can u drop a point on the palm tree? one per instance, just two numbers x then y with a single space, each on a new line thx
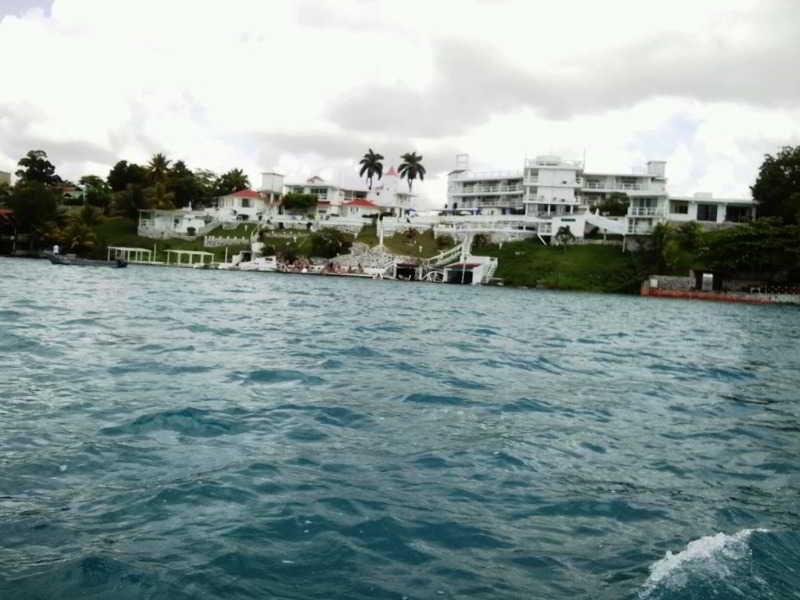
371 165
158 166
411 168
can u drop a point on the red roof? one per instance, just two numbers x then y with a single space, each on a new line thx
391 171
246 194
360 202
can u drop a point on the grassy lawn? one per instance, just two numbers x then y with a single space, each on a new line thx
412 243
118 231
241 230
584 268
299 243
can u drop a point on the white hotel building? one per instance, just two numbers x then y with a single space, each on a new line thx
548 187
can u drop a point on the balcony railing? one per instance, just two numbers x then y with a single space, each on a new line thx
489 189
478 175
630 187
639 211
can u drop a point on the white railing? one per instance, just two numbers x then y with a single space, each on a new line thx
638 211
489 189
478 175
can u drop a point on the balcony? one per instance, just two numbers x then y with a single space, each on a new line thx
616 187
641 211
489 189
479 176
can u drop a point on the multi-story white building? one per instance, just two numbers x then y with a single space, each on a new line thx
549 187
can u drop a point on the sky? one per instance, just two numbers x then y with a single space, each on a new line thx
305 87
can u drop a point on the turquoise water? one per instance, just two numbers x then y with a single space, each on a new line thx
189 434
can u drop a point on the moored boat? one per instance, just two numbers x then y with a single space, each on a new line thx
72 260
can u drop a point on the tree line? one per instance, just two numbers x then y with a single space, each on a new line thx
39 194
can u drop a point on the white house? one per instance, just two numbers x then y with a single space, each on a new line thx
246 205
359 208
166 223
330 197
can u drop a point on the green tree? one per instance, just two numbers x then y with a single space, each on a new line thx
158 167
128 202
777 187
183 185
159 196
564 236
206 182
615 205
764 247
96 192
234 180
78 236
329 242
411 168
35 207
123 175
34 167
371 166
299 202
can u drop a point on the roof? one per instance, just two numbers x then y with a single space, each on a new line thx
391 172
246 194
359 202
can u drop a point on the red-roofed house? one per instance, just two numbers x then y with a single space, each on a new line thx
359 208
247 205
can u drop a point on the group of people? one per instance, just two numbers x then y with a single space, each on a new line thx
335 269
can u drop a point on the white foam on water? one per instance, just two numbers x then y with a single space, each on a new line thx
712 556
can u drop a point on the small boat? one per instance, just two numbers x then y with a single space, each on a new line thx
260 263
71 259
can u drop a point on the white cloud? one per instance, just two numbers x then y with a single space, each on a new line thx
306 86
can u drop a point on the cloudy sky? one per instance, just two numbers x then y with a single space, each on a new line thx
306 86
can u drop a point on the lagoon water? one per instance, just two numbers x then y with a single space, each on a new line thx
187 434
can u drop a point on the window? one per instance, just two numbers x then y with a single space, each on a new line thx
678 207
245 203
706 212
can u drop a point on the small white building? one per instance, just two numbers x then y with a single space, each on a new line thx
389 194
168 223
5 178
359 208
247 205
703 207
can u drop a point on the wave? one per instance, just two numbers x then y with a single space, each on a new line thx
705 561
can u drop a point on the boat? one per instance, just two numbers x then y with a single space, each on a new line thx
260 263
72 260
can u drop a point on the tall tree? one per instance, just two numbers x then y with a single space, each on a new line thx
206 186
233 181
35 207
371 166
777 187
34 166
183 185
124 174
158 167
96 191
411 168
